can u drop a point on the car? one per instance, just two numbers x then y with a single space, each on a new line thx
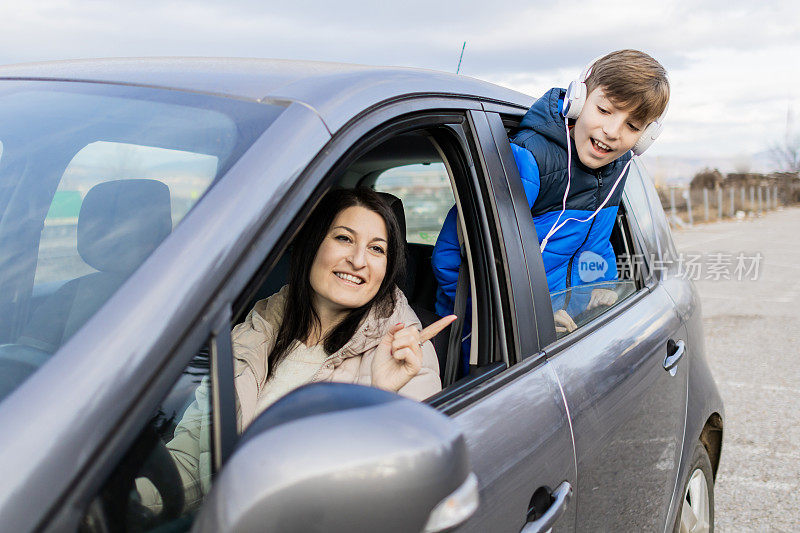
145 204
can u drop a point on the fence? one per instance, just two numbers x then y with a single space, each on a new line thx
688 206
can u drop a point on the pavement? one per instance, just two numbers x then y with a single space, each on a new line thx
752 330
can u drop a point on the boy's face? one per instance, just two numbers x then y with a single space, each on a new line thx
603 132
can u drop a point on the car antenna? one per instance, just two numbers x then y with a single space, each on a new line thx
461 56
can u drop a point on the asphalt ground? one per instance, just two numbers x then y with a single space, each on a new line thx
752 335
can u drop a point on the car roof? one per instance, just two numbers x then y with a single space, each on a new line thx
336 91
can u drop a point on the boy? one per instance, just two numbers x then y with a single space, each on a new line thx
572 152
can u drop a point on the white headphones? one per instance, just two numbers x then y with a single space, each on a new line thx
576 98
576 93
650 133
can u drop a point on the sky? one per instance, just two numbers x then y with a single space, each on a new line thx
733 65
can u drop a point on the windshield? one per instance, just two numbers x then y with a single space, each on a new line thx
92 178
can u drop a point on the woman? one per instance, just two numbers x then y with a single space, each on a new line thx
341 317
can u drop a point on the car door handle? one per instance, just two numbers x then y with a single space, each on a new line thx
675 351
561 497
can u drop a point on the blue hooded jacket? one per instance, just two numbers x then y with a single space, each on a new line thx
579 252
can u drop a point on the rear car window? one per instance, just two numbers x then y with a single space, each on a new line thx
426 194
92 178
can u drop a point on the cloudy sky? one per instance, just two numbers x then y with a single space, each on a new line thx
734 65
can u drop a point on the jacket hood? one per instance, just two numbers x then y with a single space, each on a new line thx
545 118
267 315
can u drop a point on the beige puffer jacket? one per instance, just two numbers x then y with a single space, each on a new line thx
253 340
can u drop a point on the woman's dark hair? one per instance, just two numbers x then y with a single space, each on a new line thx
299 316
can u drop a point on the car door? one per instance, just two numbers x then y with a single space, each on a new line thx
627 407
628 414
627 410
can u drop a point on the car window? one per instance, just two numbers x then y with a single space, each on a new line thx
161 481
586 302
426 194
599 283
597 291
600 279
92 178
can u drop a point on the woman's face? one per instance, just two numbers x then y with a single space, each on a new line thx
351 261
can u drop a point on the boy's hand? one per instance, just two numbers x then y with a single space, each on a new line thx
564 322
602 297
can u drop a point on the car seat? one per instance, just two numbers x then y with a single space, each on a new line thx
120 223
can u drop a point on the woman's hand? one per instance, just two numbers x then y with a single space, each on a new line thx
398 357
602 297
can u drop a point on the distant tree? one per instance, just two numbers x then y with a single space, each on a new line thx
707 179
742 179
785 154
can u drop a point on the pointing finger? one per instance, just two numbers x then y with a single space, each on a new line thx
432 330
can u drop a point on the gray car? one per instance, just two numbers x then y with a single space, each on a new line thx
146 204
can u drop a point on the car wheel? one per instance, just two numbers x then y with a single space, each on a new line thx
696 514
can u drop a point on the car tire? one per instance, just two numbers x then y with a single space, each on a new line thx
696 511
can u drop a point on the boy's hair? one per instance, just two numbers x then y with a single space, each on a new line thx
633 81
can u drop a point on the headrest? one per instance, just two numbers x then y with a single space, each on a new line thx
121 222
397 206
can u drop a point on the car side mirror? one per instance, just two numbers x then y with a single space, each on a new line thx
340 457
